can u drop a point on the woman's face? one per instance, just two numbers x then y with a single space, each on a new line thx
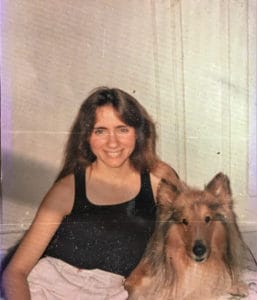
112 141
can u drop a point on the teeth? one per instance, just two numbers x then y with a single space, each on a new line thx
113 154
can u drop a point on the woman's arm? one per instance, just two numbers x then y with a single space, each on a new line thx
165 171
56 204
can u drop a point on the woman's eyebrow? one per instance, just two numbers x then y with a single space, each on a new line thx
100 127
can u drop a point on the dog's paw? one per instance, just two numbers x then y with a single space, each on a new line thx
128 285
240 289
137 277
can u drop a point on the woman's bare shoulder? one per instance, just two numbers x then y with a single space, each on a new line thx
61 195
165 171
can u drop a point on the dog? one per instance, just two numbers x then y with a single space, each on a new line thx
196 251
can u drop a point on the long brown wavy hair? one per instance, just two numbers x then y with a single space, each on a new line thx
78 151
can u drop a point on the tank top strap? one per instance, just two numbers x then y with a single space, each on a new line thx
80 196
146 186
145 199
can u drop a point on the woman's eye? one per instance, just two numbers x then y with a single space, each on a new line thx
100 131
122 130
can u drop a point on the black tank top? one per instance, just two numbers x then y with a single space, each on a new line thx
108 237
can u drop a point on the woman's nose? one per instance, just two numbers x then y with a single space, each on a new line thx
112 139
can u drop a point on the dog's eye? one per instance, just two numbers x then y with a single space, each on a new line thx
184 221
207 219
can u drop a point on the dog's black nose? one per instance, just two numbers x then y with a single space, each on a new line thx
199 248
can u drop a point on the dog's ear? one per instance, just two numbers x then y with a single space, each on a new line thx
166 192
219 186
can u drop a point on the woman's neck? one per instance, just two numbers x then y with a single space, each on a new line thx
100 170
105 185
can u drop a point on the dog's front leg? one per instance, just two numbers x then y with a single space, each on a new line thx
239 289
137 280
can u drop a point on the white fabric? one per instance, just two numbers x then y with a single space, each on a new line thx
53 279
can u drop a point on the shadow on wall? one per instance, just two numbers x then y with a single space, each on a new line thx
23 180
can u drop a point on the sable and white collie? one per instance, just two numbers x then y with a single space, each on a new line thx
196 251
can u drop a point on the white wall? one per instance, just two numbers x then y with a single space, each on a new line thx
191 63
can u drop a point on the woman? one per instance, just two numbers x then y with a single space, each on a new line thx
93 225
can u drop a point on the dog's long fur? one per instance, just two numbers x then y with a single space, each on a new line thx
196 251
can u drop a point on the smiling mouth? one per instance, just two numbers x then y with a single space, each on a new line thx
113 154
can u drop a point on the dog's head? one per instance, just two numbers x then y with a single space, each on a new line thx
195 222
